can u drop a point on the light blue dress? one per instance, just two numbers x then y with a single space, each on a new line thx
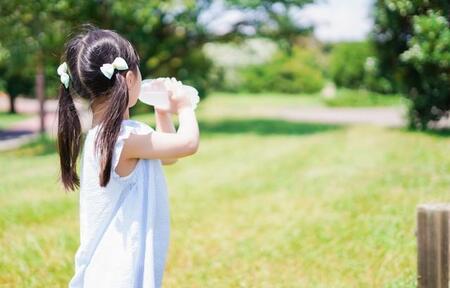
125 226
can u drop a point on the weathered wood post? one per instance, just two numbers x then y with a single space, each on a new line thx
433 245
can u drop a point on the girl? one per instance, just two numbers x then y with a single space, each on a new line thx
124 212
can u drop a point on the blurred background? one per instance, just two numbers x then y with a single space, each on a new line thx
323 124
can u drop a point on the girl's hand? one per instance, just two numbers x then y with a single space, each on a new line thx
180 101
178 96
172 109
176 102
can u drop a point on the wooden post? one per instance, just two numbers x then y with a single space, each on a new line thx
433 245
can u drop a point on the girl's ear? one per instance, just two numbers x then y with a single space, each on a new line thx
130 78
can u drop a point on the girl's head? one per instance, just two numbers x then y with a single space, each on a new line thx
84 54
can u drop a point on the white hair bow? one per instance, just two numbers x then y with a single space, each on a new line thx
62 72
108 68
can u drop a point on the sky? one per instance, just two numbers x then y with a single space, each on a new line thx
338 20
334 20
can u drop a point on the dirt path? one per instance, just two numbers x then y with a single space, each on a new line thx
23 131
385 116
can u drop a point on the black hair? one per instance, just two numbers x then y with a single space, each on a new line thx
84 54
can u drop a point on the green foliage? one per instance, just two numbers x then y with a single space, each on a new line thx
374 80
33 33
15 76
347 63
353 65
429 76
168 35
413 45
295 73
274 19
165 47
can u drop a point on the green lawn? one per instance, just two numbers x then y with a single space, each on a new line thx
264 203
364 98
7 119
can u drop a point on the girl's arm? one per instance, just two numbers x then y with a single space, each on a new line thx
164 124
162 145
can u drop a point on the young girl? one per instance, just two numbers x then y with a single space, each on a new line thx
124 212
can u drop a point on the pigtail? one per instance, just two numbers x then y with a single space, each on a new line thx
110 128
88 55
69 134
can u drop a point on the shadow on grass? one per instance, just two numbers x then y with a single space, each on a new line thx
263 126
438 132
44 145
7 135
442 132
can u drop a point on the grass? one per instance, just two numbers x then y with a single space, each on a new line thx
363 98
255 104
7 119
264 203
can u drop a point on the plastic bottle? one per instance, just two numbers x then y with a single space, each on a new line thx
155 92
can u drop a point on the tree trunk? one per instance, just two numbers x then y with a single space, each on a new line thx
39 90
12 103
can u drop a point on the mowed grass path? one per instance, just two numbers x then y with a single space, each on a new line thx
264 203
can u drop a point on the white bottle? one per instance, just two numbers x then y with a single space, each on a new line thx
155 92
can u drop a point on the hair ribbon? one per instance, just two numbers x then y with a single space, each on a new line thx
108 68
64 76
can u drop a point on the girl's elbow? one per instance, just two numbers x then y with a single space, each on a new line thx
189 147
192 146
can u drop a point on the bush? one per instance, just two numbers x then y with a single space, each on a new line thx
297 73
347 63
353 65
412 40
428 78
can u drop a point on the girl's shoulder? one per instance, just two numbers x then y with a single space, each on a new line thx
128 127
134 126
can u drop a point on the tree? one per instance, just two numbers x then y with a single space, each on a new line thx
31 31
428 79
413 45
14 79
347 61
168 35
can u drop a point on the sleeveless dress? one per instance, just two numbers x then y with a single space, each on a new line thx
125 226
